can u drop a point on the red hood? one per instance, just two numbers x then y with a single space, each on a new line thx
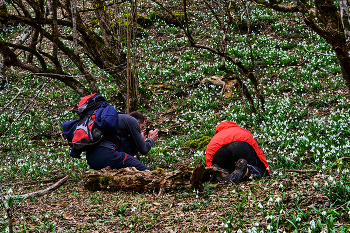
225 125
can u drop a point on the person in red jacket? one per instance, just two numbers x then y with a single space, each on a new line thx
234 149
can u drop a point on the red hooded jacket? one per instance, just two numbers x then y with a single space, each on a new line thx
227 132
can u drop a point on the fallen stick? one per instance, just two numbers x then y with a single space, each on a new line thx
301 171
161 86
45 191
343 159
37 181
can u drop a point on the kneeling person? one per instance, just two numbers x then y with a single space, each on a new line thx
133 140
234 149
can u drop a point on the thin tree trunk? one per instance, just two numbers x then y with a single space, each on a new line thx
344 61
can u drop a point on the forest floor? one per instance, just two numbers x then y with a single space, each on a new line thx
303 132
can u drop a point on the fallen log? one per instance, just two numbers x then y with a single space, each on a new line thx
130 179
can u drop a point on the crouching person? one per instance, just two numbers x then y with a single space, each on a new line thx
100 131
132 140
234 149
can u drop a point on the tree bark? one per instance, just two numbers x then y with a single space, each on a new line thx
130 179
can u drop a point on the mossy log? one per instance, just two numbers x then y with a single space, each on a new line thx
176 19
130 179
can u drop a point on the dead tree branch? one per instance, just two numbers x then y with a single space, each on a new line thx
45 191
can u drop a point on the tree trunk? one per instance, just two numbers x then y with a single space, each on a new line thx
344 61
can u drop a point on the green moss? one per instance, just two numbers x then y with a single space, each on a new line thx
159 172
161 150
144 21
123 24
169 19
94 23
198 144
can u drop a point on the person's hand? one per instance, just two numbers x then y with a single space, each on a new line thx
143 134
153 134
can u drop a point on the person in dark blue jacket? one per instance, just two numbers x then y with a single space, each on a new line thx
123 138
133 140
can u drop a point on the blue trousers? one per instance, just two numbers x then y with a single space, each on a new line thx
101 157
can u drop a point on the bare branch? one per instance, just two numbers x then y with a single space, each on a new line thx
74 21
301 171
324 54
45 191
277 7
3 109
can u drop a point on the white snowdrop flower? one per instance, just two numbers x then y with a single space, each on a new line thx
233 191
282 211
224 225
312 224
262 231
309 230
278 199
5 216
239 231
10 191
260 205
324 213
242 186
323 167
281 186
330 178
326 184
133 209
269 227
315 184
130 225
298 219
280 174
253 230
256 224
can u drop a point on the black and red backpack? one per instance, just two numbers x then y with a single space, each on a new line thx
87 132
98 121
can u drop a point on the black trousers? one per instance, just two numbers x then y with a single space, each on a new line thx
227 156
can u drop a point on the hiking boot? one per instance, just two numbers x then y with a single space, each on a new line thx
219 179
240 172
